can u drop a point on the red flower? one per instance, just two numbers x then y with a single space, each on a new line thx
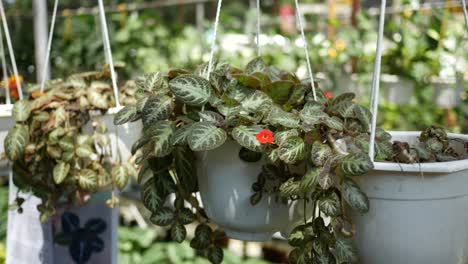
265 136
328 95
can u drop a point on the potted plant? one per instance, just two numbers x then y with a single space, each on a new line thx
264 155
420 195
63 153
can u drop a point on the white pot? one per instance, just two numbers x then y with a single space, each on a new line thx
414 218
225 184
396 89
448 92
6 122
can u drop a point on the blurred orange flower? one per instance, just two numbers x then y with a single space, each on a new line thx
13 86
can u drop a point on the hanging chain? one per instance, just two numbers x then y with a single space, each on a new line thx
213 43
306 49
375 90
49 46
108 51
10 50
5 71
259 14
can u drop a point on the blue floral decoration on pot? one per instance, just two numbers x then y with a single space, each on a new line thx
81 241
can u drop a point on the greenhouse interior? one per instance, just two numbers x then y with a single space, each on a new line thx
235 131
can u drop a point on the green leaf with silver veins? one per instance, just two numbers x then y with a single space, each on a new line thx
178 232
120 176
163 217
126 114
162 134
330 204
21 111
354 196
191 89
157 108
60 172
346 252
356 164
246 137
16 141
292 150
206 136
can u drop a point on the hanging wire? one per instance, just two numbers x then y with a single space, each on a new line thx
465 13
49 46
306 49
10 50
108 51
5 71
259 14
213 43
376 80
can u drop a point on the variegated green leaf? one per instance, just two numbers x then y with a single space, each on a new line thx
256 102
191 89
356 164
333 123
153 81
185 216
87 179
309 181
246 137
157 108
281 136
292 150
60 172
206 136
84 151
120 176
279 91
290 188
97 99
345 109
346 251
126 114
342 98
67 143
255 65
229 111
186 168
330 204
212 117
354 196
202 238
21 111
363 115
181 134
178 232
150 197
163 217
320 153
16 141
163 132
215 254
277 116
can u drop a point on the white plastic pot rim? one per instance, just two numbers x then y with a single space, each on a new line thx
5 110
434 167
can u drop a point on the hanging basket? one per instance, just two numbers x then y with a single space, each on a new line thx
397 89
447 92
418 212
225 183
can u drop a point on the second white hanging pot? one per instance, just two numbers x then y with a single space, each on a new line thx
225 183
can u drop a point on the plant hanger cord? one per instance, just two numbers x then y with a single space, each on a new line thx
465 13
259 14
108 52
5 71
213 43
306 49
110 62
374 104
10 50
49 45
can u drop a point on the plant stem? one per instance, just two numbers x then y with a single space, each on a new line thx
332 142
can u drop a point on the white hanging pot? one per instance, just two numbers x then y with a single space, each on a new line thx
6 122
397 89
225 183
418 213
448 92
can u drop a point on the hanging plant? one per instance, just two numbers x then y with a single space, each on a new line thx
53 156
313 149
